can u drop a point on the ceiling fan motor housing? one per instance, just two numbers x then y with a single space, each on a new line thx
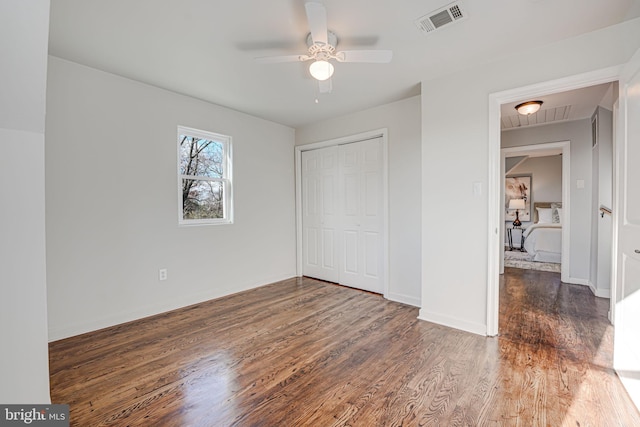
320 50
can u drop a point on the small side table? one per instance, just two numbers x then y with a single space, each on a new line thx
510 238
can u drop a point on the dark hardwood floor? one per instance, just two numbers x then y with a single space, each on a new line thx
306 353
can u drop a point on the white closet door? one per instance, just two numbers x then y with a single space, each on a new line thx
319 215
342 214
361 221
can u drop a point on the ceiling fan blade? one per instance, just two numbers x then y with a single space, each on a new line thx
359 41
317 18
283 45
325 86
279 59
380 56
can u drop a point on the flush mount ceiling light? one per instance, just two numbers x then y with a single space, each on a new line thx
529 107
321 70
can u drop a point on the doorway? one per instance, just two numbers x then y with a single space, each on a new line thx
496 172
563 148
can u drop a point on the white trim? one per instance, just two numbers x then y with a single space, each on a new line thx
226 180
616 208
578 281
452 322
140 312
379 133
600 293
404 299
495 236
578 81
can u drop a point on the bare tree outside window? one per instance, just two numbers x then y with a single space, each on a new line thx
204 176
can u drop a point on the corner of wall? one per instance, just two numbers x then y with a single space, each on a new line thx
453 322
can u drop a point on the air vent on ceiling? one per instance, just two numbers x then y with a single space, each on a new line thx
441 17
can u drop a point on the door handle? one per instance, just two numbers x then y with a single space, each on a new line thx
637 251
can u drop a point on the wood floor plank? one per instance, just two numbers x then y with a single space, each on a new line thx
302 352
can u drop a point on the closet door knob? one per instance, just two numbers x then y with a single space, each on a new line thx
637 251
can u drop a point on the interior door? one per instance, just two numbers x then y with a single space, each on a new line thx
319 215
627 307
360 193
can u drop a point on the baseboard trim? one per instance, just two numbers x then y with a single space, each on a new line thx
600 293
404 299
56 334
577 281
631 383
452 322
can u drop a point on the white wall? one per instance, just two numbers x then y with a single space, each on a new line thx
455 156
24 362
402 119
578 132
112 202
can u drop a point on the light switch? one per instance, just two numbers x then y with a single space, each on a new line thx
580 183
477 189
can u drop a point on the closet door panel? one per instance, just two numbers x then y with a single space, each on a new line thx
350 257
372 255
319 206
328 246
360 181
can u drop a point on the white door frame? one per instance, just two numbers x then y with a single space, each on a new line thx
565 146
378 133
495 180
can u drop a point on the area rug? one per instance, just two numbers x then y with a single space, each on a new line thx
523 260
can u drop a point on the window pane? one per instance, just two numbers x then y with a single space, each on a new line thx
201 157
202 199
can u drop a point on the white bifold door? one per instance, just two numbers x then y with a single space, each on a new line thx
342 214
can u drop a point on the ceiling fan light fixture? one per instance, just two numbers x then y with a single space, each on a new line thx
528 108
321 70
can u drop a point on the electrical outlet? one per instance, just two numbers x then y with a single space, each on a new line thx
162 274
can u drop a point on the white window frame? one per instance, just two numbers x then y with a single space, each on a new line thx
226 179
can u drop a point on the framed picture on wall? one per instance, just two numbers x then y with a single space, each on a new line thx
518 187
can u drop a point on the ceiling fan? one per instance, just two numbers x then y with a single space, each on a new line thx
322 49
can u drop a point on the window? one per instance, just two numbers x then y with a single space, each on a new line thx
204 177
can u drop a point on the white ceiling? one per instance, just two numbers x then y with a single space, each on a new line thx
206 48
